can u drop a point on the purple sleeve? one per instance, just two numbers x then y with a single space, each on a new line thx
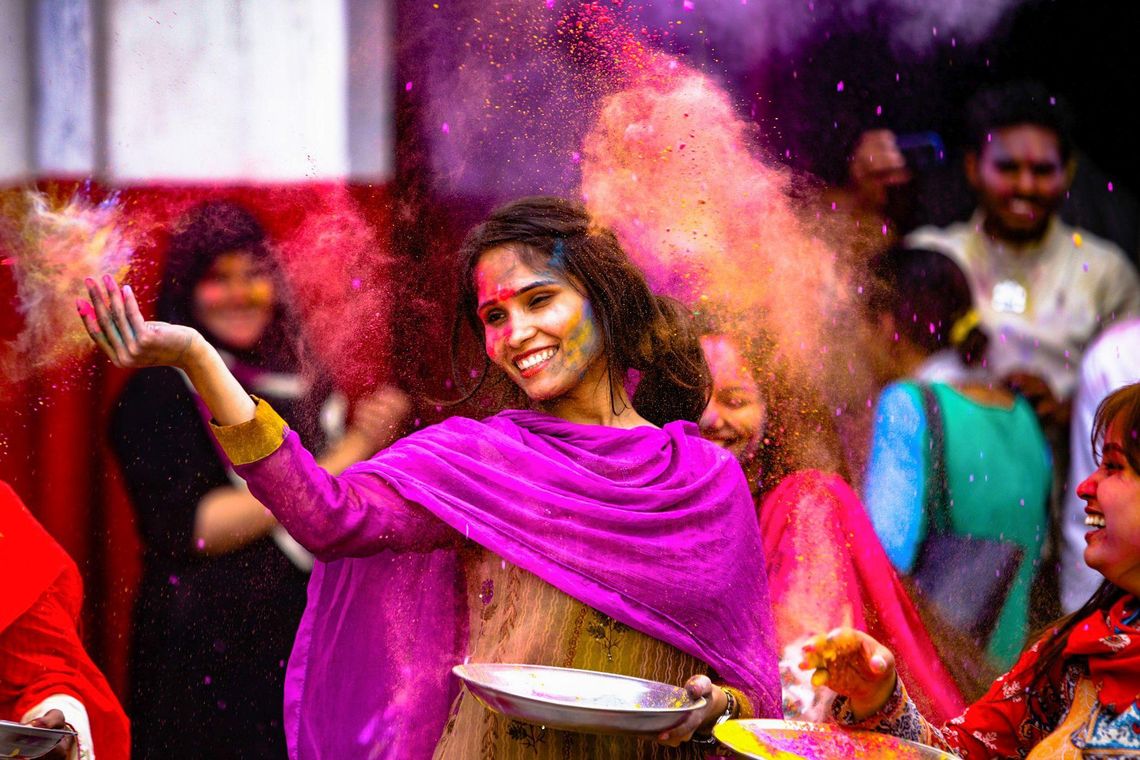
355 514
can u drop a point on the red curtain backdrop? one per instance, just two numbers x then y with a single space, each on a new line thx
53 443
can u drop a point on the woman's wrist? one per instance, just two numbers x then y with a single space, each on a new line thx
719 704
228 402
723 707
196 355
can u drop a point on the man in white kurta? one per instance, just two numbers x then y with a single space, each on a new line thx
1044 290
1041 301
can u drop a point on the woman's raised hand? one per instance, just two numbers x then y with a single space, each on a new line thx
853 664
115 323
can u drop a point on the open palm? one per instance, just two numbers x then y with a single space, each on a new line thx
113 320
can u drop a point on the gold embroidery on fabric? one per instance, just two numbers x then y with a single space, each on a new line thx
575 632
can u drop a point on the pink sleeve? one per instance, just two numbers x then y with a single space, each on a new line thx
354 514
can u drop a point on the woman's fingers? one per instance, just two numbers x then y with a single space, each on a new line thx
698 686
87 314
851 663
119 315
134 313
106 323
115 322
846 651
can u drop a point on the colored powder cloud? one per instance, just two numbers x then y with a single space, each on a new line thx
674 171
517 88
749 34
51 248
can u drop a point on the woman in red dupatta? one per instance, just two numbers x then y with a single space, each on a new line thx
825 565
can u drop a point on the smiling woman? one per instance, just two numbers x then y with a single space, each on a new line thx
538 327
540 263
589 531
1076 691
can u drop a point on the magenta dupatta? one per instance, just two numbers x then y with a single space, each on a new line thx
654 527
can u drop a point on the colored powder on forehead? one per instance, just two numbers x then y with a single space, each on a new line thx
51 247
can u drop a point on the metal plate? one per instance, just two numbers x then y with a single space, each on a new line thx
18 740
578 700
796 740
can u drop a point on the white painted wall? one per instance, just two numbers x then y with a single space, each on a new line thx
64 87
15 92
197 90
226 90
371 89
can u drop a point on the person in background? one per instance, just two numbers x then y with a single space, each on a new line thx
46 677
923 330
1112 362
1043 289
824 564
1075 691
223 585
870 208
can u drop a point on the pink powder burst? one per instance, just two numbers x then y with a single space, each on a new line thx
53 248
339 271
716 221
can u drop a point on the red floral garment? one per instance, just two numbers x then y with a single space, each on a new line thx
999 725
1004 723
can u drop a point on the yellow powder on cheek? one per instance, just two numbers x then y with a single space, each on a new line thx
261 292
580 340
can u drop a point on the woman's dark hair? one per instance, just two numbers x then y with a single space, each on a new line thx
799 432
203 234
650 334
1120 408
928 296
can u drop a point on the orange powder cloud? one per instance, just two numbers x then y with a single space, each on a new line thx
672 169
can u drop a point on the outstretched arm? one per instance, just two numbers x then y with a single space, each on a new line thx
353 515
862 672
115 323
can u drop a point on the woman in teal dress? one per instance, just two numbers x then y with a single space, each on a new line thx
994 455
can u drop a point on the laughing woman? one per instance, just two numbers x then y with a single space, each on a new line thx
593 531
1075 692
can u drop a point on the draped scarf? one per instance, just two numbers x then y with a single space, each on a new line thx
653 527
1112 647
